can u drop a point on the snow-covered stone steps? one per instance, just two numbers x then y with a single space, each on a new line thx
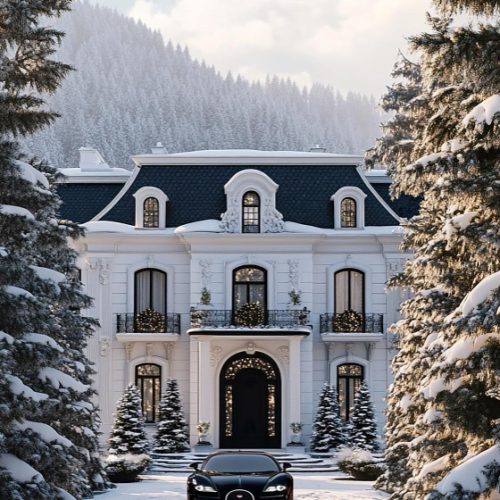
179 462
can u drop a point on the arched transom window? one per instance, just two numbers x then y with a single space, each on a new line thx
250 213
151 212
348 212
148 381
349 379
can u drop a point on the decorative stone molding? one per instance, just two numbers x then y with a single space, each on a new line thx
103 347
283 353
205 272
103 267
215 354
251 180
169 347
250 348
369 346
394 266
293 274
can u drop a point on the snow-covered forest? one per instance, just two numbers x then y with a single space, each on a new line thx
132 88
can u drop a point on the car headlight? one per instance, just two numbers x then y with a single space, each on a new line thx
204 488
274 488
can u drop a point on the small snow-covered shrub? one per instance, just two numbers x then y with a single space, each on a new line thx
125 468
359 464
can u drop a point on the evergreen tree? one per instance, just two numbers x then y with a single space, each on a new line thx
328 428
171 434
363 427
445 393
128 444
48 443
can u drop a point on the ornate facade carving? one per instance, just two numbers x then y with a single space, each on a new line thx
103 267
103 347
283 353
394 266
293 274
215 354
272 220
205 272
230 219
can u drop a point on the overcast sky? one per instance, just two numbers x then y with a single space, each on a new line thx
351 44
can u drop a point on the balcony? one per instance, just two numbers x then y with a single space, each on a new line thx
148 326
253 318
351 326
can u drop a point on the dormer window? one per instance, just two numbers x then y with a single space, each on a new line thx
151 213
150 208
348 213
349 208
251 212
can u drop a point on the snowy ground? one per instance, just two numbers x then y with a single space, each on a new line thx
325 486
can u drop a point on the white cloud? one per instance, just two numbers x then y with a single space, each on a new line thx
351 44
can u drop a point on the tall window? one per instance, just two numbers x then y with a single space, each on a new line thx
349 379
249 286
151 212
349 290
251 213
348 213
150 290
148 380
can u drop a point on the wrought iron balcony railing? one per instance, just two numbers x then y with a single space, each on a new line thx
221 318
351 322
148 322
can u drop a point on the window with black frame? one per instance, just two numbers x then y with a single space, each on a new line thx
150 291
249 295
151 213
348 213
250 213
148 381
349 379
349 291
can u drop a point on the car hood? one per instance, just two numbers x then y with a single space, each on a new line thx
254 483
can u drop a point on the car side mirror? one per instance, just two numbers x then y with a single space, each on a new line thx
195 465
286 465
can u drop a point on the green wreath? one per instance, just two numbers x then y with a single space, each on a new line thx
150 321
348 321
250 314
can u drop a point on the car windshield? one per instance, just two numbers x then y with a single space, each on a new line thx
240 464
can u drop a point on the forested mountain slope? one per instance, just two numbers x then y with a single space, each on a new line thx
131 89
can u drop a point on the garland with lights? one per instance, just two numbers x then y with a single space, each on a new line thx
250 314
348 321
150 321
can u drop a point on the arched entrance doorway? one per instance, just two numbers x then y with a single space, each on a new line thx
250 402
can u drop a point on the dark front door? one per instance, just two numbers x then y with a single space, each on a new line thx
250 403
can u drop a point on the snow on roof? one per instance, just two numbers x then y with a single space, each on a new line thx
259 153
110 172
213 226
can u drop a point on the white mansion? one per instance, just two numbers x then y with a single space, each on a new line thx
251 277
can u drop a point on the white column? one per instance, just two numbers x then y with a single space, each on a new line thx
294 384
206 389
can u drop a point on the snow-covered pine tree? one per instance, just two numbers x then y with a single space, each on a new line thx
43 381
171 432
329 429
446 383
363 426
128 444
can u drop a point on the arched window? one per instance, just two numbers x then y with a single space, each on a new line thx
151 212
349 291
150 291
348 212
250 287
349 379
148 381
250 213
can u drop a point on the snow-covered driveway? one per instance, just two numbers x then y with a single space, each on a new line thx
314 487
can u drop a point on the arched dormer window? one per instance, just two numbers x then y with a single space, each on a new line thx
348 212
151 212
349 208
150 208
250 212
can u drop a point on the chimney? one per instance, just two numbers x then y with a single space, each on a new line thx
91 160
317 149
159 149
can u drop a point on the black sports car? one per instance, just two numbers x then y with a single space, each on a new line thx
240 475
